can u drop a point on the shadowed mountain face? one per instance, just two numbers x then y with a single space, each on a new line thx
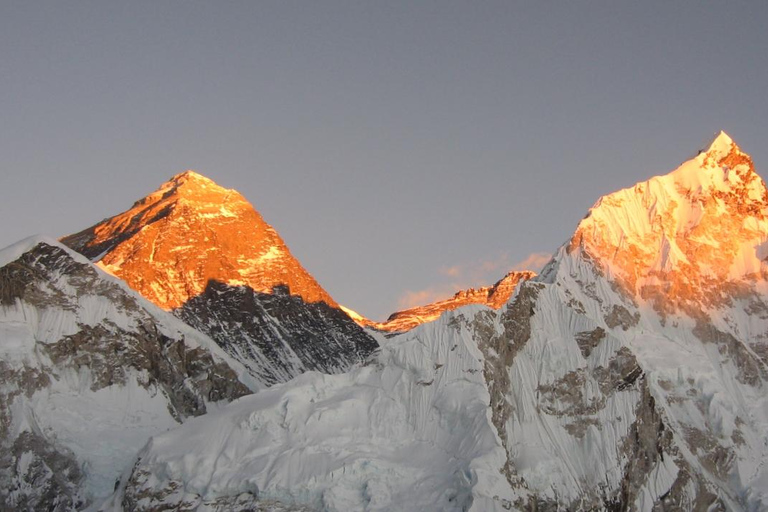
277 335
203 252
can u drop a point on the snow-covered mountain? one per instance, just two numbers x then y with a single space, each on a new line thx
494 296
632 374
88 372
203 252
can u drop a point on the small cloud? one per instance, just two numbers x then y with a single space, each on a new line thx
499 264
453 271
412 299
535 262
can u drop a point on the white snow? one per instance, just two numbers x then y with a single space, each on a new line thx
410 431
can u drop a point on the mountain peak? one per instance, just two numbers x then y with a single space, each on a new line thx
192 178
721 144
680 236
196 188
171 243
190 174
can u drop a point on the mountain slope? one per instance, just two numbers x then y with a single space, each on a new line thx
630 375
88 372
199 250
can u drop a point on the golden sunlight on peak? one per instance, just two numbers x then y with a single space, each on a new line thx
193 184
722 143
190 176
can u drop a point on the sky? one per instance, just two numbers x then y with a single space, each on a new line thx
403 150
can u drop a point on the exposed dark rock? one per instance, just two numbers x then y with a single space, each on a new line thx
645 446
277 335
750 369
500 352
36 475
620 316
621 373
716 458
589 340
565 396
578 428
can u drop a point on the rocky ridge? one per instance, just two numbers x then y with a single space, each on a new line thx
494 296
277 335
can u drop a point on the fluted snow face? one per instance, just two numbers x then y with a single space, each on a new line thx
673 270
408 431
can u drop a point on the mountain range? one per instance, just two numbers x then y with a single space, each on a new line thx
176 356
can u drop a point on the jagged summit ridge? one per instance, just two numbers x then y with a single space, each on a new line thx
192 186
494 296
171 243
679 239
192 176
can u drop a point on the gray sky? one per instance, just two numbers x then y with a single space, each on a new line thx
402 149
